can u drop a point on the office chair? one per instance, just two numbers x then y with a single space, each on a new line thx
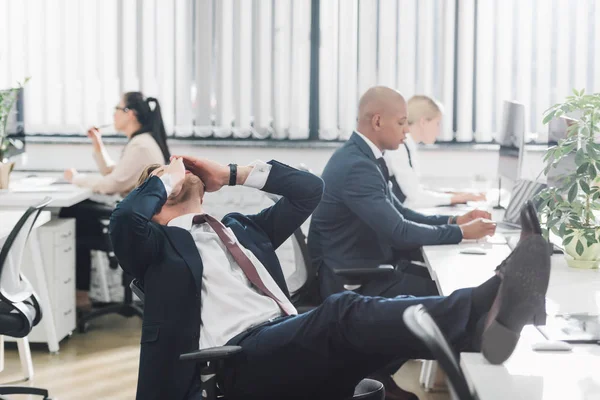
20 309
422 325
307 296
127 308
211 362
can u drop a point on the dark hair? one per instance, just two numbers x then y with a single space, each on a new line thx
150 119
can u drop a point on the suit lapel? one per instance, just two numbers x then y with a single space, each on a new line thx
363 146
183 242
366 150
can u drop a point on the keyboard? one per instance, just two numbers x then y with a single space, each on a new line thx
514 240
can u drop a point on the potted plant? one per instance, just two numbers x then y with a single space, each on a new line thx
568 208
8 97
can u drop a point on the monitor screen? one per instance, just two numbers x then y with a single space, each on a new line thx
15 127
512 140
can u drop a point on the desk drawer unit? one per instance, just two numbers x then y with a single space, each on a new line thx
57 240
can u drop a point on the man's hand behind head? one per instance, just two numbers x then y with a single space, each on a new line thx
214 175
176 170
478 228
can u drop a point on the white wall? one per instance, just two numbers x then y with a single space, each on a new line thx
440 165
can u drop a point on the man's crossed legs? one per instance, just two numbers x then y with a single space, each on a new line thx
323 354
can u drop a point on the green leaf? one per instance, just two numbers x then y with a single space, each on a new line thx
582 168
572 193
579 247
549 117
567 240
580 157
585 187
592 171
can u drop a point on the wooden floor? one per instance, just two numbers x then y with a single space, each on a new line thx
103 363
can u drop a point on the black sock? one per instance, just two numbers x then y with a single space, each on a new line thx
483 297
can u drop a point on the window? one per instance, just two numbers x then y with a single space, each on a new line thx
241 68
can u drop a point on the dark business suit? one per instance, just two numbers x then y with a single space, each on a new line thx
322 354
360 223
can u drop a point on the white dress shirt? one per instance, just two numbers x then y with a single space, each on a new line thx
417 196
376 152
230 303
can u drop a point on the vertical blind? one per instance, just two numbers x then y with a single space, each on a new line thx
404 44
221 68
241 68
469 54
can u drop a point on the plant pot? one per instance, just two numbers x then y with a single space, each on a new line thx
5 170
590 258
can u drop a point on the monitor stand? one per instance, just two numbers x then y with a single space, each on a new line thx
499 206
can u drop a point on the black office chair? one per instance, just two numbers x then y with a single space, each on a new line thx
128 308
422 325
20 309
307 296
211 362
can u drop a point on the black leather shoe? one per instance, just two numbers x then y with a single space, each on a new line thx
521 298
392 391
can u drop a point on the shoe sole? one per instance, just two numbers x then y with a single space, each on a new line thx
499 342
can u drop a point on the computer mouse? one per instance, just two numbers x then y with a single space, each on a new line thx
551 345
473 250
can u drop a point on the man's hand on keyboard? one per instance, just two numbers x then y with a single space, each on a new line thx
478 228
473 215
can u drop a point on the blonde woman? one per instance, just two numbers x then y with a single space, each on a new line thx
424 119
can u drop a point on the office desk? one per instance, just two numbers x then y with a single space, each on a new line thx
527 374
9 219
570 290
62 196
530 375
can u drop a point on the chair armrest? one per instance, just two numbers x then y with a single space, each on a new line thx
357 276
212 354
137 289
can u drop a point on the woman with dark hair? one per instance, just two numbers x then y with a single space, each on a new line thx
140 119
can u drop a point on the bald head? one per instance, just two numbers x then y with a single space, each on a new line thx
382 117
377 100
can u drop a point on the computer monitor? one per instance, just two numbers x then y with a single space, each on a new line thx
557 130
511 139
15 127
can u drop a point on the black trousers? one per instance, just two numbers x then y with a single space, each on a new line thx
323 354
89 236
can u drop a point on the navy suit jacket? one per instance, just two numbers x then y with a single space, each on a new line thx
359 222
167 261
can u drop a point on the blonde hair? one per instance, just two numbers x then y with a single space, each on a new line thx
420 106
146 173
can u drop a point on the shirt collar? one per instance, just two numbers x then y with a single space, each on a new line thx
183 221
376 152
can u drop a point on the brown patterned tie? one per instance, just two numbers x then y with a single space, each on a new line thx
241 258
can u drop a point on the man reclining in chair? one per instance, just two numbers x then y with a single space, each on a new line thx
210 283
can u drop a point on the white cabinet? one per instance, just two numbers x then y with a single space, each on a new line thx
57 242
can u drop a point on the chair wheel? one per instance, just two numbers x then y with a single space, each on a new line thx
83 327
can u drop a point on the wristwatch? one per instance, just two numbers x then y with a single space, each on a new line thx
232 174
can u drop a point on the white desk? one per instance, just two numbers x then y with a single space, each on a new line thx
63 196
26 190
570 290
8 219
527 374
